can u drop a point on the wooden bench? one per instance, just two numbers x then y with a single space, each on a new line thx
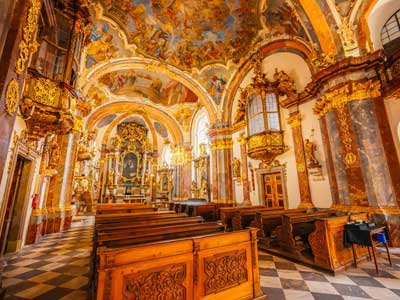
267 221
293 233
327 246
149 223
146 235
239 217
216 266
123 208
123 217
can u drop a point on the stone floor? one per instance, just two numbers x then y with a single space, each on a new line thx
57 268
282 279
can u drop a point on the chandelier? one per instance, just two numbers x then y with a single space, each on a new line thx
180 156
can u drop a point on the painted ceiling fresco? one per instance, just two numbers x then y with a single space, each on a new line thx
104 43
279 18
158 88
187 33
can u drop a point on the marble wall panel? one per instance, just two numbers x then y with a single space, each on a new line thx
372 156
338 159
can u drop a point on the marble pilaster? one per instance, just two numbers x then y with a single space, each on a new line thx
245 170
302 174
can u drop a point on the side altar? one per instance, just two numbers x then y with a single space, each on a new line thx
128 167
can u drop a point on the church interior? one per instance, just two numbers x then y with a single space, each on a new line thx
199 150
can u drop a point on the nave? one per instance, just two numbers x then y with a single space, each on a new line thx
57 268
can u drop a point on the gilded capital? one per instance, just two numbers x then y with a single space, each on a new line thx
242 139
294 120
222 144
351 91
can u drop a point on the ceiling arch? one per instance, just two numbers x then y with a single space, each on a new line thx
86 82
136 108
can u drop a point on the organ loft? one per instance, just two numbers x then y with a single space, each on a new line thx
199 150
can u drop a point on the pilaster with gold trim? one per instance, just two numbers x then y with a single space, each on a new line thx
294 121
221 149
245 171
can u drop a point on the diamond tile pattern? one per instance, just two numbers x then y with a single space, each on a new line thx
285 280
57 269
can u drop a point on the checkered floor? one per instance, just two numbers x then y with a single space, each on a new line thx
282 279
57 268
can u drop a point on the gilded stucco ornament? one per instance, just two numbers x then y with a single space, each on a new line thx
347 34
12 97
27 45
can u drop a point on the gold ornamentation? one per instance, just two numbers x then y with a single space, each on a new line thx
46 92
324 60
352 91
166 282
132 132
301 168
295 120
224 271
350 159
27 45
242 139
237 168
347 33
12 97
222 145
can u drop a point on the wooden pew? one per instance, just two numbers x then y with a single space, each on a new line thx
239 217
267 221
326 243
123 217
159 233
150 223
216 266
209 211
295 226
124 208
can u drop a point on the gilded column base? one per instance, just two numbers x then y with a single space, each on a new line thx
67 219
34 228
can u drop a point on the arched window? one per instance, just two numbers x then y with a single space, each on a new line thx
391 29
200 128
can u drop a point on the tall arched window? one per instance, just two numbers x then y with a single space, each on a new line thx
201 126
391 29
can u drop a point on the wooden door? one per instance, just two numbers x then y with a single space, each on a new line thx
273 190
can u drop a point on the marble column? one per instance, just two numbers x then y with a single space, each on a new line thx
360 144
221 147
302 174
154 180
59 197
245 170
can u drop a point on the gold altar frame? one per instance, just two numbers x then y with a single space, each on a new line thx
138 167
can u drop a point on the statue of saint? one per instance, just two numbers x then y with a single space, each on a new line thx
309 149
54 152
236 168
204 189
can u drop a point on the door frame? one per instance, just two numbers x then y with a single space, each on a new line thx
260 182
19 148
